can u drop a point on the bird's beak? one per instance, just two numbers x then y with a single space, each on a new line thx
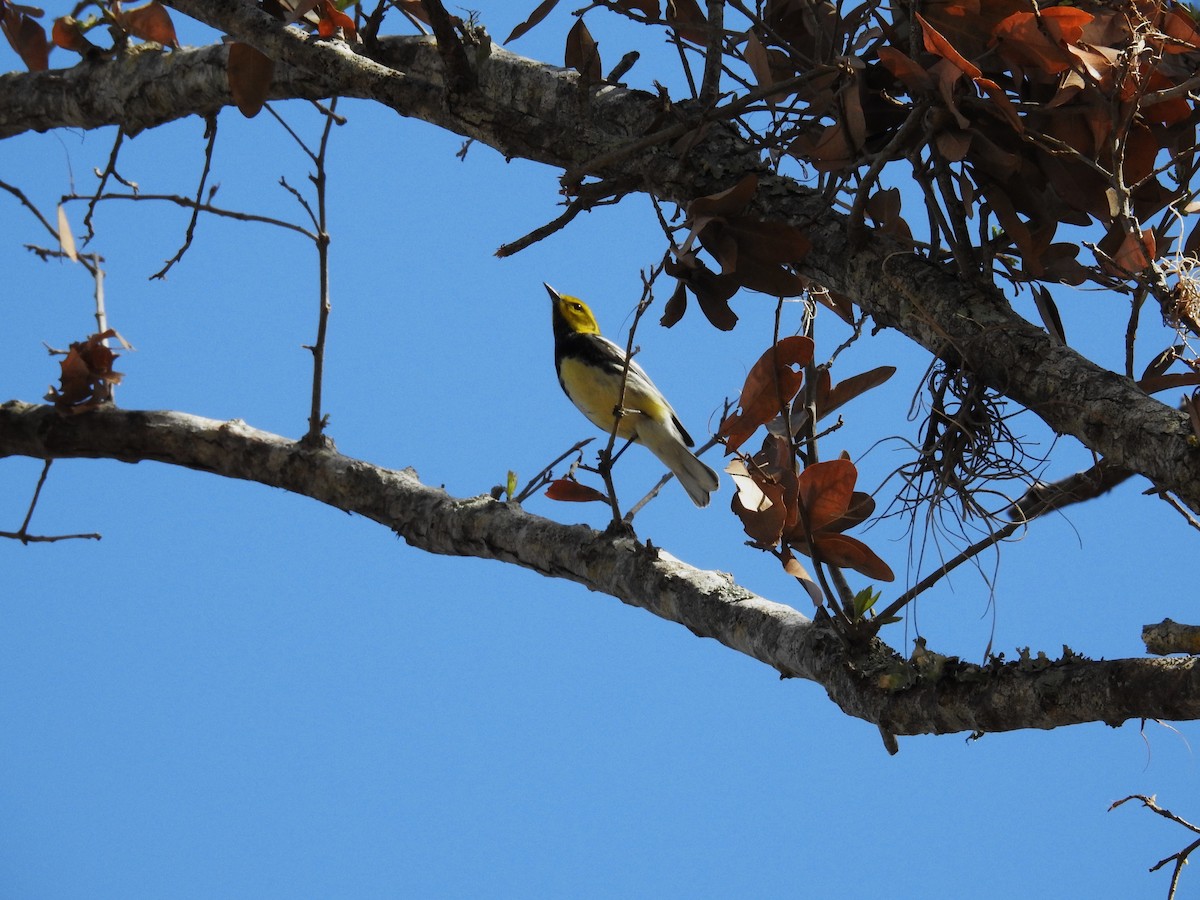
554 295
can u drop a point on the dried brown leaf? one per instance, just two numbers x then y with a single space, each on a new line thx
583 54
1048 310
151 22
569 490
851 387
728 202
771 383
688 20
540 12
249 72
27 37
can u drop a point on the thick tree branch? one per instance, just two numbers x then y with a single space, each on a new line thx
528 109
931 694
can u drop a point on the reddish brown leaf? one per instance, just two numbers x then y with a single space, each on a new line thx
1061 265
770 280
764 526
151 22
792 566
1163 361
728 202
542 10
938 45
1000 100
1017 230
1181 28
1191 246
676 306
884 207
27 37
569 490
1023 43
758 60
688 21
416 9
1065 23
772 243
1193 407
583 54
852 115
831 150
249 72
753 252
953 144
851 553
771 382
1156 383
910 73
648 8
712 291
1135 252
1048 310
825 492
838 303
331 20
851 387
87 375
66 33
860 508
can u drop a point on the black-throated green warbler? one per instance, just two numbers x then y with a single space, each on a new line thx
590 367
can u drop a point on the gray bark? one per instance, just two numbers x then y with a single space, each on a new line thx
933 695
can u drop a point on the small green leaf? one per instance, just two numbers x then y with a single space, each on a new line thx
510 488
864 600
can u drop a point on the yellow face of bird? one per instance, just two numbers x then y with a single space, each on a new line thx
573 313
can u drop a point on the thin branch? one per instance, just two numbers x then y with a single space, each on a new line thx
1180 858
23 534
188 203
110 171
543 477
935 576
710 83
590 196
210 132
317 421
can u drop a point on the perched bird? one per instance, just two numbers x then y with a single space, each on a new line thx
589 370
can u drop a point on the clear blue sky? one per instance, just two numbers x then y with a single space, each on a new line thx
240 693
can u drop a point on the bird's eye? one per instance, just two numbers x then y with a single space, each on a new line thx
578 307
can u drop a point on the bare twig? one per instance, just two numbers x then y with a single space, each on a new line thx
23 534
203 207
543 477
1180 858
210 132
110 171
601 193
316 420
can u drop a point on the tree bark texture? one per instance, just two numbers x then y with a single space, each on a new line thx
930 694
541 112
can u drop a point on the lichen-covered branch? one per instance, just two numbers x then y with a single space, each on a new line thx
928 694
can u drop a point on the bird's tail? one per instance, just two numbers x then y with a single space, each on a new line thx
664 442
